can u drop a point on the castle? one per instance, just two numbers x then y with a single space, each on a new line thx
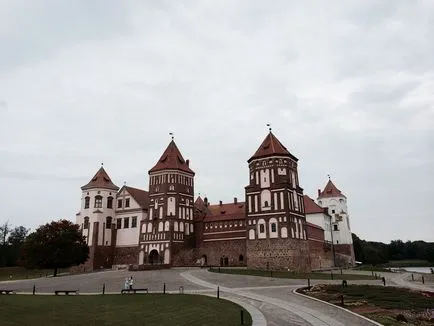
276 227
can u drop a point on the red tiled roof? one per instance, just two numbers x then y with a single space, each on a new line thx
140 196
314 225
100 180
330 190
226 212
310 207
172 159
271 146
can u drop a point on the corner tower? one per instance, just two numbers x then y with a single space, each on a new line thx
169 228
336 203
276 223
96 218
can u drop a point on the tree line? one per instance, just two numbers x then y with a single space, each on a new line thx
375 253
55 245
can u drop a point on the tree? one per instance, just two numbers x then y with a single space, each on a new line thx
4 231
18 235
58 244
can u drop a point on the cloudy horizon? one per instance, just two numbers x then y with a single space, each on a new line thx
347 88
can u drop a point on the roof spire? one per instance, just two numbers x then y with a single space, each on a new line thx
102 163
269 127
328 176
172 134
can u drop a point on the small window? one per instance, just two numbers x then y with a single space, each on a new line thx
119 223
86 202
108 222
266 203
98 202
335 227
109 202
134 222
86 223
119 203
126 222
261 228
273 227
127 202
333 211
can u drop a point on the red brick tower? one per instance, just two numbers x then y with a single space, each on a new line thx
276 223
169 228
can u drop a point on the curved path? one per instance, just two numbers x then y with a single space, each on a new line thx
274 297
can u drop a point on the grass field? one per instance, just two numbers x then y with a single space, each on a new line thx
146 309
380 303
284 274
19 273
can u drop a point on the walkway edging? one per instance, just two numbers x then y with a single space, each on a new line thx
336 306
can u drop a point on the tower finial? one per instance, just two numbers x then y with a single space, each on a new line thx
328 176
269 127
172 134
125 183
102 163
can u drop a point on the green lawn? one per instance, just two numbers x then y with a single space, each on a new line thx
146 309
19 273
381 303
284 274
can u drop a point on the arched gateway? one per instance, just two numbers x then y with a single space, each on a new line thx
154 257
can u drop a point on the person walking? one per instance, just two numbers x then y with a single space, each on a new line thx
131 283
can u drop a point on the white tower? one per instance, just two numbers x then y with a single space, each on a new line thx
97 211
336 203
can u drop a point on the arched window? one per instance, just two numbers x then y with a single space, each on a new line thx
98 201
166 226
149 227
160 227
86 223
252 234
265 199
86 202
109 202
261 229
273 227
175 226
108 222
181 227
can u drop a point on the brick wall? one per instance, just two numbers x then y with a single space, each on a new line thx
345 255
292 254
219 252
321 255
126 255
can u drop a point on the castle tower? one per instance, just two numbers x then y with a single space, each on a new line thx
169 228
276 223
336 203
96 217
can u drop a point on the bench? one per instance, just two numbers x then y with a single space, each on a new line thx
7 291
67 292
133 291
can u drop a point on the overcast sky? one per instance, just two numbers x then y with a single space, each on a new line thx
348 87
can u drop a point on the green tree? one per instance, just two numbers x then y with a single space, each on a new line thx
58 244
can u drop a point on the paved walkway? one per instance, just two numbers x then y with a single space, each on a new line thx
279 305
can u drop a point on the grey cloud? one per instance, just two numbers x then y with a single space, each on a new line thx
346 88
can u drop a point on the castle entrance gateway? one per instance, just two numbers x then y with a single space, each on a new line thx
154 257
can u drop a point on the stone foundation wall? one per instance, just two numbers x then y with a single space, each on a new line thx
345 255
288 254
321 255
223 253
126 255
